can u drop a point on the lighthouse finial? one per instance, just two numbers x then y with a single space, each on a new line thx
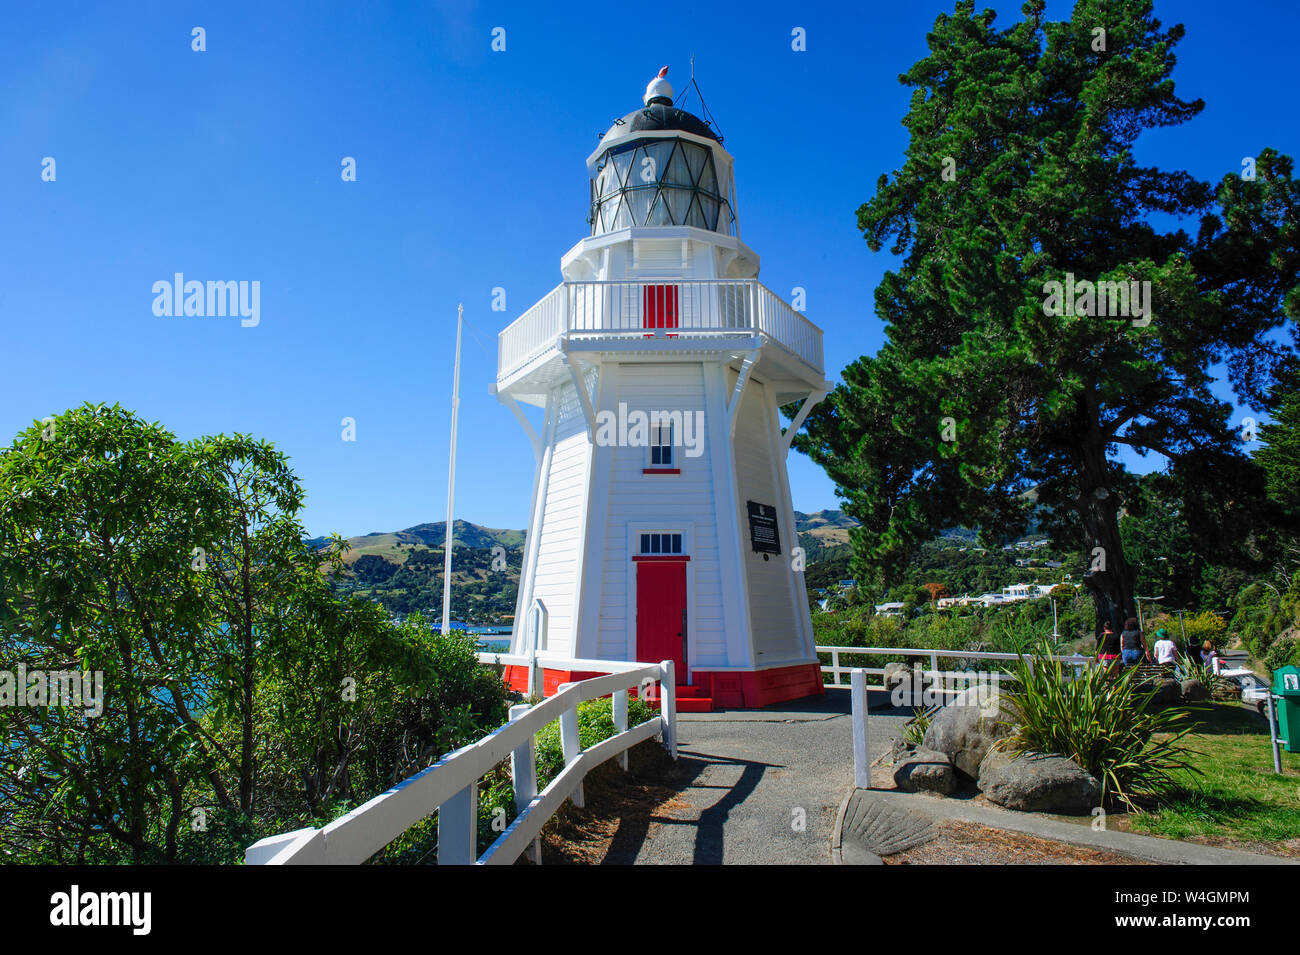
659 90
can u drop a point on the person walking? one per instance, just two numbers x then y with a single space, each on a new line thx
1108 648
1133 648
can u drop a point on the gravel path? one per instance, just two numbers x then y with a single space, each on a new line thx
760 786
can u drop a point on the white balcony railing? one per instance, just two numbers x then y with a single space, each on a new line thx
686 309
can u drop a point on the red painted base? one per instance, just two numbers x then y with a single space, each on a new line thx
756 688
743 690
517 679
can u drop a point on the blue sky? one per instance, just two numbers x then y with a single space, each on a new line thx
225 165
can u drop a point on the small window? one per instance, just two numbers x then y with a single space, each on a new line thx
661 446
661 544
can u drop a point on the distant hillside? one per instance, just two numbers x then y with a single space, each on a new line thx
823 519
402 571
824 535
395 546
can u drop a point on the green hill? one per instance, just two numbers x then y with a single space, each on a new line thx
403 570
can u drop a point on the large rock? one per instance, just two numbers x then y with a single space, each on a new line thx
1167 692
925 770
903 685
967 728
1193 691
900 748
896 673
1037 782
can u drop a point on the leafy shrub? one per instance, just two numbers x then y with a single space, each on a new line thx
1192 668
1262 615
595 723
914 729
1103 723
1206 625
1284 652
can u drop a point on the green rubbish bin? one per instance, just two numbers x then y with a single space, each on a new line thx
1286 689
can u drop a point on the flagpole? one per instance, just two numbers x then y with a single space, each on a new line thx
451 481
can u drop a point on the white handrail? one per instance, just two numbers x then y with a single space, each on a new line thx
698 308
934 673
451 784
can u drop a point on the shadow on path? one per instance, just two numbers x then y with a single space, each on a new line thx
709 825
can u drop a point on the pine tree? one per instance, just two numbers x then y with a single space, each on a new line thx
997 388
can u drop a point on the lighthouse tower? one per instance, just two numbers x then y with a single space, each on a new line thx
661 524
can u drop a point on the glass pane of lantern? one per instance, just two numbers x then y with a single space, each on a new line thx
652 162
622 162
607 181
695 216
679 201
695 156
710 207
621 218
608 211
709 181
659 213
677 172
639 202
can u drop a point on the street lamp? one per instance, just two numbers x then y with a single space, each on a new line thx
1139 603
1055 635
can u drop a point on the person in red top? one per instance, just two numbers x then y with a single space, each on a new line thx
1108 650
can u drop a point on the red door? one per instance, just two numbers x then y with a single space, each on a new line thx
661 613
659 306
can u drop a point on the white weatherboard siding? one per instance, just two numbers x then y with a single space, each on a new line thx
775 627
682 502
563 489
520 638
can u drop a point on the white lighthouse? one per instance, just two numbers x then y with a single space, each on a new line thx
661 524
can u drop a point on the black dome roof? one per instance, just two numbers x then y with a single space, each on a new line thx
658 116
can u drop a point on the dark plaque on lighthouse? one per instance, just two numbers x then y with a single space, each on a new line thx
763 535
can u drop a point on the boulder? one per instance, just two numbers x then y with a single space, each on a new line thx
901 748
1167 692
896 673
902 684
1038 782
925 770
967 728
1193 691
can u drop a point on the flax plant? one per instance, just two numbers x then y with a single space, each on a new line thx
1107 724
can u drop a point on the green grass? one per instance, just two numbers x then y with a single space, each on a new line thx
1237 796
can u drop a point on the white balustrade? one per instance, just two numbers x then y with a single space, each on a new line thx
934 675
715 308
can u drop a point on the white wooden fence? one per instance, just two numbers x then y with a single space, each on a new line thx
943 681
937 682
450 785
